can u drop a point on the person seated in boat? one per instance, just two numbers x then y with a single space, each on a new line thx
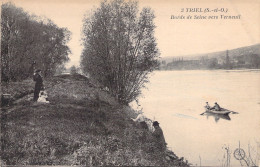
216 107
207 106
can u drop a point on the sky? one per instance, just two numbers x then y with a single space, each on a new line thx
175 37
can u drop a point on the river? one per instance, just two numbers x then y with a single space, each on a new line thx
177 98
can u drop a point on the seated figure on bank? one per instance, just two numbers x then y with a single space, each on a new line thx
144 122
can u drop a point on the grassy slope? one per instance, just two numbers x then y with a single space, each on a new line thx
83 125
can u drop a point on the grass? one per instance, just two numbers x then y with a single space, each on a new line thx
82 125
16 90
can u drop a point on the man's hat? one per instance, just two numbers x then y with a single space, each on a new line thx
155 123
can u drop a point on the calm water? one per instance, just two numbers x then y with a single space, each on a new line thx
176 100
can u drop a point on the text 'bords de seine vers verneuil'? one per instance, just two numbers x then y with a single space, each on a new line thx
194 13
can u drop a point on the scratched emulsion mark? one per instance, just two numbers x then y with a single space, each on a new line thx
184 116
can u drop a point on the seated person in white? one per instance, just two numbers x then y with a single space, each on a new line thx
43 97
144 122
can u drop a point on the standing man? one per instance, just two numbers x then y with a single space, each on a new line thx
38 84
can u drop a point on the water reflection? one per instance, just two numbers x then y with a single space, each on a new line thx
216 116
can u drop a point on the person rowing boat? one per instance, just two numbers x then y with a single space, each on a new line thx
207 106
216 107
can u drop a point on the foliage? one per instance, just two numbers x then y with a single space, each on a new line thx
119 47
76 128
73 70
240 58
213 63
60 69
29 42
255 60
18 89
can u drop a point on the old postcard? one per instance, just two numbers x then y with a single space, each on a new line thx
130 83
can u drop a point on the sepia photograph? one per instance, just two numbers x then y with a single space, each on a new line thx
167 83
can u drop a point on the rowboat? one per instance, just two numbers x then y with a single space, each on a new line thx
217 116
222 111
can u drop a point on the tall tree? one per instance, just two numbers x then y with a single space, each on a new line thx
120 49
228 64
29 41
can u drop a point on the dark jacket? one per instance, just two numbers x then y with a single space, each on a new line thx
159 137
38 81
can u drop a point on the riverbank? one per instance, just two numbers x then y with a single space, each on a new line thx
82 125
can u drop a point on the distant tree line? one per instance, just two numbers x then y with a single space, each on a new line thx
119 47
222 62
74 70
29 42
